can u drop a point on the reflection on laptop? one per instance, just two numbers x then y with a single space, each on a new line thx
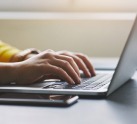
102 84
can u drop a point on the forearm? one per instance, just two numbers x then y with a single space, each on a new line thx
11 54
6 73
7 52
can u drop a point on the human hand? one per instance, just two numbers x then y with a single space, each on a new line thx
59 65
82 62
45 64
25 54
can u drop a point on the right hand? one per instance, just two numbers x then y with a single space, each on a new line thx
44 65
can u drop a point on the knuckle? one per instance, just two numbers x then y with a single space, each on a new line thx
76 58
65 52
59 70
70 59
85 57
66 64
50 50
49 55
79 60
82 55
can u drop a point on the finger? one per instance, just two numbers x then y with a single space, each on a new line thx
50 50
51 69
67 68
87 63
80 64
71 61
34 50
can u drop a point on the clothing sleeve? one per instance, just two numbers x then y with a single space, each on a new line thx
7 52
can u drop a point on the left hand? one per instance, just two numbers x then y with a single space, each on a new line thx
25 54
82 62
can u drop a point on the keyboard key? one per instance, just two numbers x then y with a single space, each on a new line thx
89 81
86 83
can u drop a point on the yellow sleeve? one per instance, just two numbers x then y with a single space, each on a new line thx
7 51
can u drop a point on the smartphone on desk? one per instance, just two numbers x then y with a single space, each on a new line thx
37 99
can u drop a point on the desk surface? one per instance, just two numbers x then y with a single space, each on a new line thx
104 63
119 108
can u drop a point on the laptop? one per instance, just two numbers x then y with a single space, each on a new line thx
100 85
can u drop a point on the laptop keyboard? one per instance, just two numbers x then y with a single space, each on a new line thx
93 83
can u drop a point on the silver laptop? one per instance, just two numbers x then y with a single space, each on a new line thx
100 85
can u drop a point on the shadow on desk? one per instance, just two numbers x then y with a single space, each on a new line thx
125 95
119 108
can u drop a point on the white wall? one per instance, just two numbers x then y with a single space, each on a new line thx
69 5
93 37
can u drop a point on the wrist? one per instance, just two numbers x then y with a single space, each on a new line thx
7 72
16 71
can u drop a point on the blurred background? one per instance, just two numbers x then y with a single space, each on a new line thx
98 28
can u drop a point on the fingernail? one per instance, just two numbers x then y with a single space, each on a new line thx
89 74
72 82
94 73
79 80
